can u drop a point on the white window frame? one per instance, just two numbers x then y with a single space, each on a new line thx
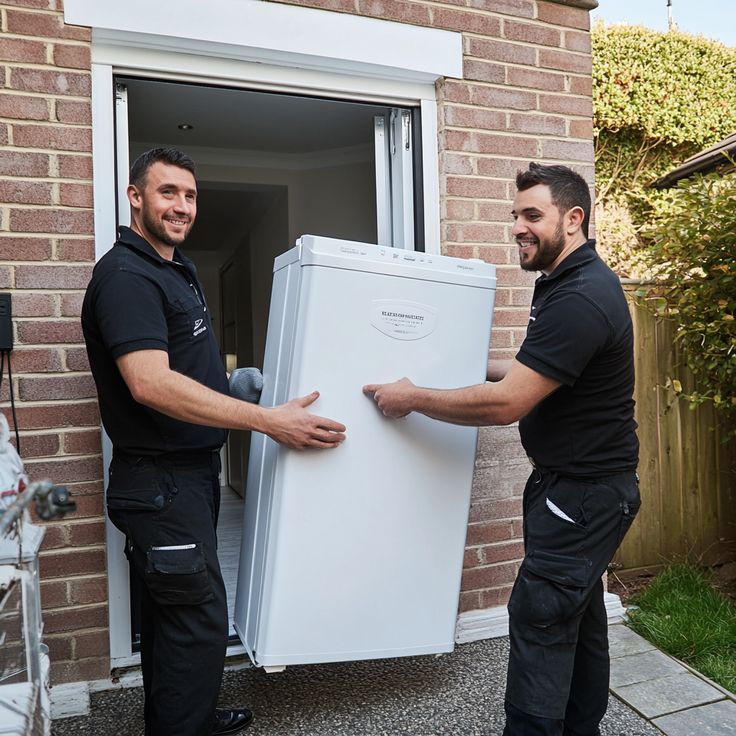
254 45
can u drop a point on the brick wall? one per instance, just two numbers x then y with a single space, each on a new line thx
46 256
525 95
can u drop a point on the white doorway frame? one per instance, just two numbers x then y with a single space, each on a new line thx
254 45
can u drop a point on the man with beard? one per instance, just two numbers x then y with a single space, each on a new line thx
163 395
570 387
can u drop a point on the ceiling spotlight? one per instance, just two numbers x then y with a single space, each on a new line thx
185 126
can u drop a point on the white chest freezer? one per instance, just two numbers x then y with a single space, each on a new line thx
357 552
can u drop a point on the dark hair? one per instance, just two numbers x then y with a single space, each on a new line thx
567 187
172 156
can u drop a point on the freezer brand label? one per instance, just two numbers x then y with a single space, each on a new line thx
403 320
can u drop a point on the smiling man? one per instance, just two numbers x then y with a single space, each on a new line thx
163 395
570 387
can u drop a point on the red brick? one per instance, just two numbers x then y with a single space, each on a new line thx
39 445
84 670
348 6
565 61
537 80
72 111
474 232
490 576
474 117
493 50
71 306
494 212
567 150
517 8
53 593
16 163
494 508
484 71
501 168
76 359
557 14
19 248
581 129
55 535
72 55
60 221
6 277
20 191
581 86
53 388
459 251
45 25
566 105
44 333
4 139
87 442
40 4
454 91
65 470
503 98
75 167
538 124
404 12
576 41
77 414
94 504
495 597
75 195
60 647
457 140
36 360
471 558
22 50
469 601
460 209
23 107
493 553
58 137
539 35
465 186
501 339
91 644
87 534
68 563
488 532
466 21
76 249
88 590
456 163
52 277
496 254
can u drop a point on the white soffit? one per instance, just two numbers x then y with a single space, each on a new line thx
285 35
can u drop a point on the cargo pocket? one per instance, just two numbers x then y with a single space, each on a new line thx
138 486
177 575
549 592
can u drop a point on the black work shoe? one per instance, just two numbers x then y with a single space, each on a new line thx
231 720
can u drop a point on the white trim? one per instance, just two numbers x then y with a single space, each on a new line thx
491 623
286 35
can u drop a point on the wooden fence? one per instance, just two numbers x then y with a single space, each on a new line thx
687 474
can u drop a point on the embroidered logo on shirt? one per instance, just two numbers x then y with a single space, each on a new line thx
198 327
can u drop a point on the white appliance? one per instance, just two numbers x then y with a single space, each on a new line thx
357 552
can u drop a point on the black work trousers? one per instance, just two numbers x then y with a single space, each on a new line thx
559 664
167 507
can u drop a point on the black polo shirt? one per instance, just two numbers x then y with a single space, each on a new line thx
580 334
137 300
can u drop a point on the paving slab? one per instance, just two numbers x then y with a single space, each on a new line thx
664 695
622 641
714 719
642 667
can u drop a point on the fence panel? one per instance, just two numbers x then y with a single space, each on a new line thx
688 475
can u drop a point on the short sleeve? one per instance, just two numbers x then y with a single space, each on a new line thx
563 336
130 313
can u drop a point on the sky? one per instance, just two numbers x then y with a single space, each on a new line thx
711 18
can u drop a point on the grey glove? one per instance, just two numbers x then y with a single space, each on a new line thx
246 384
